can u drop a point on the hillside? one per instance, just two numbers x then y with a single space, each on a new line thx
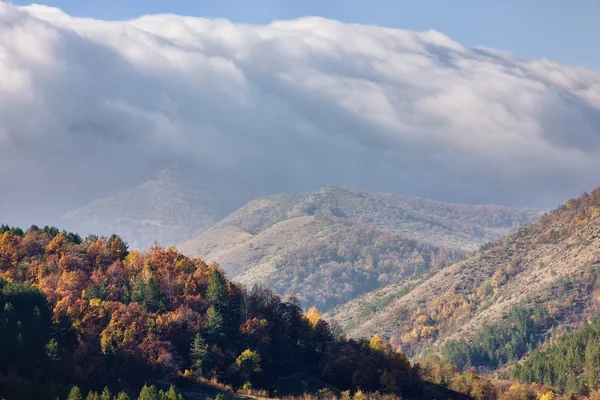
91 313
169 208
544 278
334 244
458 226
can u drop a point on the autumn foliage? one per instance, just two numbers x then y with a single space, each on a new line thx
91 313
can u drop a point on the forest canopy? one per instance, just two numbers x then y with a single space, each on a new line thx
90 313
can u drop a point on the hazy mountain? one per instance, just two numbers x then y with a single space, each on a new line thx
173 206
333 244
547 270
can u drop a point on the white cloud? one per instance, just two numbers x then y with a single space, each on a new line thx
294 104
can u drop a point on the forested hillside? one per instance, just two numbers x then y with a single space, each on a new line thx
332 245
503 301
92 314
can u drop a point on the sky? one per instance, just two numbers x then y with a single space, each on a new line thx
556 29
90 107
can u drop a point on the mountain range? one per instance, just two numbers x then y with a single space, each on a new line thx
331 245
326 247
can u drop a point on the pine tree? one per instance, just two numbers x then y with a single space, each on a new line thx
214 324
106 395
153 298
75 394
149 393
216 292
171 394
198 353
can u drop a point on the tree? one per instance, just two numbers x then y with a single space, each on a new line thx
153 298
93 396
171 394
314 316
248 362
198 353
105 395
214 324
377 344
149 393
75 394
118 246
216 292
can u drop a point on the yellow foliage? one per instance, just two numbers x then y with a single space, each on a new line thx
56 244
546 396
96 302
411 337
359 395
377 343
314 316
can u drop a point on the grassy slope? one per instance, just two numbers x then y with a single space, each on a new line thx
549 264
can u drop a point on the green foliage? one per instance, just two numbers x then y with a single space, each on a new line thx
149 393
216 292
25 330
147 293
248 362
214 324
119 246
98 291
496 345
198 353
152 393
571 365
171 394
75 394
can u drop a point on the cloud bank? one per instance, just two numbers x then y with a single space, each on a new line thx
90 107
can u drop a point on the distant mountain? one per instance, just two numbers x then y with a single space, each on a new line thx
334 244
173 206
522 290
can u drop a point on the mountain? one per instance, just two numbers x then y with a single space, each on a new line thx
495 306
331 245
173 206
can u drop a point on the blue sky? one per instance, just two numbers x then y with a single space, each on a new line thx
557 29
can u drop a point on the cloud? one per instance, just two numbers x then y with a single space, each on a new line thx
90 107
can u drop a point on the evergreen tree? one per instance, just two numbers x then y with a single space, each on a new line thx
198 353
149 393
214 325
216 292
106 395
153 299
171 394
75 394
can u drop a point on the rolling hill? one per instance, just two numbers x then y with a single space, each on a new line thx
545 277
334 244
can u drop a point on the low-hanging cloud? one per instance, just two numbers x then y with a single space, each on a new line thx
91 107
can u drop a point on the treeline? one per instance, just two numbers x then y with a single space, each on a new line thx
571 365
146 393
88 312
498 344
